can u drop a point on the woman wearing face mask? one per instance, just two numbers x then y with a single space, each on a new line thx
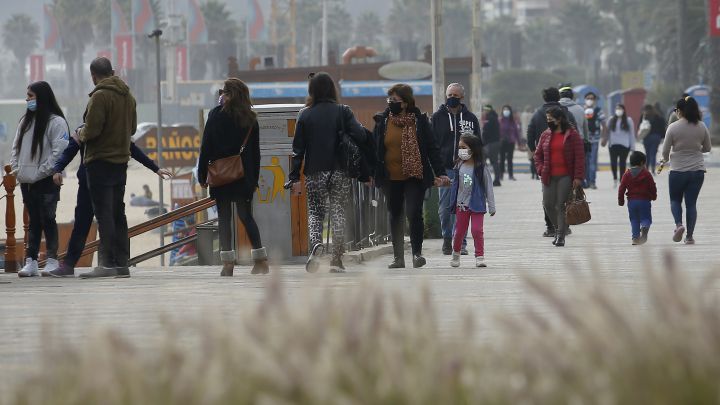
41 137
408 162
509 137
560 162
621 137
688 138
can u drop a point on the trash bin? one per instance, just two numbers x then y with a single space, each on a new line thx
208 244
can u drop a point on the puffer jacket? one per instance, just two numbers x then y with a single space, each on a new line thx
55 141
574 149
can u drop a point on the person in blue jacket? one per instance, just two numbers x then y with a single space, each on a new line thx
83 209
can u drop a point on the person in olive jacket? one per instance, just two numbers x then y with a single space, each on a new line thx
225 131
408 162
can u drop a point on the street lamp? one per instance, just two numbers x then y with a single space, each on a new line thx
158 133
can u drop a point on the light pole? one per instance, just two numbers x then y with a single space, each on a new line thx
438 66
476 75
158 133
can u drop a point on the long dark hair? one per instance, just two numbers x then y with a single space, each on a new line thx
476 149
238 104
512 115
559 114
321 86
690 109
46 105
623 123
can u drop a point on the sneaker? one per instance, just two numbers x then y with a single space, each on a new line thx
549 233
30 269
313 262
679 231
397 263
122 272
636 241
644 234
50 265
447 247
418 261
513 178
496 183
593 186
336 265
455 261
689 240
480 261
101 272
63 271
463 251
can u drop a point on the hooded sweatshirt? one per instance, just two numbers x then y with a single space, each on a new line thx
29 169
579 113
639 184
447 128
110 121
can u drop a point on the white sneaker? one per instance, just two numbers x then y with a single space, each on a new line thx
480 261
30 269
455 261
50 265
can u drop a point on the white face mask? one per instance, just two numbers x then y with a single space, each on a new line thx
589 102
619 113
464 154
506 113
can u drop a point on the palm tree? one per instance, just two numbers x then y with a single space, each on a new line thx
408 25
21 35
584 29
368 29
75 23
222 32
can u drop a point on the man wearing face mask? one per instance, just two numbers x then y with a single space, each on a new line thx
449 122
595 118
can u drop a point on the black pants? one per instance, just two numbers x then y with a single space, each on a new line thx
41 201
83 222
506 155
618 155
492 151
244 212
106 184
405 198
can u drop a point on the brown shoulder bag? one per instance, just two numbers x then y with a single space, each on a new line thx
577 209
227 170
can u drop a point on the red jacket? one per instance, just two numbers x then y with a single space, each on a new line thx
574 155
639 186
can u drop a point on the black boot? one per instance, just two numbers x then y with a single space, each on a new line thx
447 246
549 233
397 263
418 261
560 239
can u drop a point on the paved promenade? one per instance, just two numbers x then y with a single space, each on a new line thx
513 246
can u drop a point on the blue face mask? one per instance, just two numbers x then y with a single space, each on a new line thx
32 105
452 102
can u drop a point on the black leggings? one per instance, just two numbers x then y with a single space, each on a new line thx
244 212
506 155
405 198
618 154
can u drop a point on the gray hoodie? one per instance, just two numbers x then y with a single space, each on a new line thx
579 113
31 170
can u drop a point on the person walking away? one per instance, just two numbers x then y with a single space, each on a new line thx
82 221
595 118
509 137
538 125
491 141
656 135
408 163
40 139
232 129
327 187
110 121
472 197
560 160
525 118
621 137
687 138
640 187
567 100
449 122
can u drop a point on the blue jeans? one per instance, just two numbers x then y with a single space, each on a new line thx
640 212
447 218
685 185
651 143
591 162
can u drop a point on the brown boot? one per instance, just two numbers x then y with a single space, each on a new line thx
228 260
261 262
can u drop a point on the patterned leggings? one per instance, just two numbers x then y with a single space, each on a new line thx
319 191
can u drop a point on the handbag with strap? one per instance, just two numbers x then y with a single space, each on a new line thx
577 209
644 129
229 169
348 152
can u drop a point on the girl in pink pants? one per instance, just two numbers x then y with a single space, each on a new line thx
472 194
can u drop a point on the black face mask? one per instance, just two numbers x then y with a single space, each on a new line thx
552 125
395 107
452 102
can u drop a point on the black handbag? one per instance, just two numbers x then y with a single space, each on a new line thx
349 158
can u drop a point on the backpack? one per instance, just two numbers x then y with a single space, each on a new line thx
355 159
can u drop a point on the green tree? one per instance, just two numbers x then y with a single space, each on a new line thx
369 29
584 29
457 28
497 38
541 49
20 35
520 87
75 20
222 33
408 26
103 19
309 18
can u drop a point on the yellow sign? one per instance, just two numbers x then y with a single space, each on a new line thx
268 191
633 80
181 146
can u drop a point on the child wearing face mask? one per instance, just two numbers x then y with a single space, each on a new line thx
472 197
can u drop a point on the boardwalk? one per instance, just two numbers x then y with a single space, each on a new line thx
513 245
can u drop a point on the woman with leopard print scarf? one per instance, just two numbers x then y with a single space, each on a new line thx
408 163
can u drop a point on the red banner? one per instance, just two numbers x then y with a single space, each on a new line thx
106 53
123 48
181 62
714 14
37 68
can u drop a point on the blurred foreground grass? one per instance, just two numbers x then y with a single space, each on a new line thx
369 346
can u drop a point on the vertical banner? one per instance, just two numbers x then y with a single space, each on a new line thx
37 68
143 18
51 32
714 14
181 62
123 47
256 21
197 30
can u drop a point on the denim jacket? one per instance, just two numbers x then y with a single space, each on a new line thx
482 199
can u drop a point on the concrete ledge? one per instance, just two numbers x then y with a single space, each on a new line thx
370 253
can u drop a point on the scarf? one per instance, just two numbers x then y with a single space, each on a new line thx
410 149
